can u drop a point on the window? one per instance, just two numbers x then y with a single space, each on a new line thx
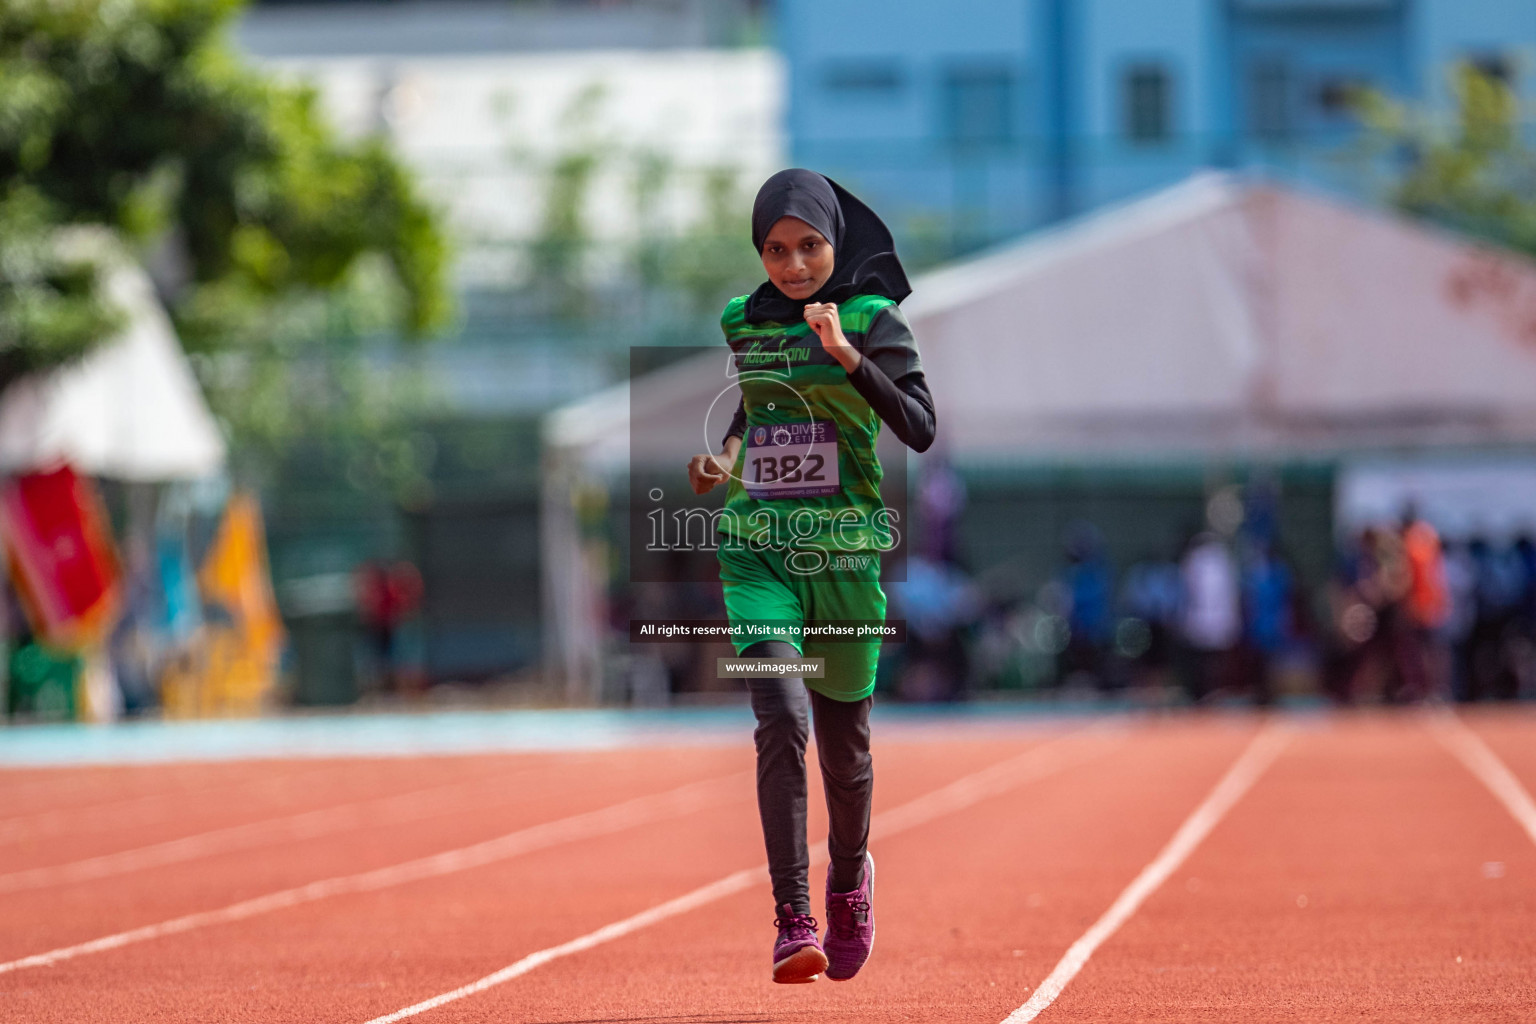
1495 66
864 79
979 105
1147 96
1337 96
1269 100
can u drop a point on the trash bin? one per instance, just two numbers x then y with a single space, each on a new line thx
42 684
323 635
324 648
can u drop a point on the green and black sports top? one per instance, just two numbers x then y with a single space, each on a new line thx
809 426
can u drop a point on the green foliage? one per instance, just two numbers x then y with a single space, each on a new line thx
50 312
678 273
556 254
1475 174
713 259
281 238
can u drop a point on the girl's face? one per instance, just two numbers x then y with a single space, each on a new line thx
797 257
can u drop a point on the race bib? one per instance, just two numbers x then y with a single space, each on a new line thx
791 460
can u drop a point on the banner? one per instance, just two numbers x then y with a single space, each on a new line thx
62 560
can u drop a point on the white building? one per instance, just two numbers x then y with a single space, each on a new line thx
486 125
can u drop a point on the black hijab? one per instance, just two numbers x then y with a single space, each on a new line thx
863 251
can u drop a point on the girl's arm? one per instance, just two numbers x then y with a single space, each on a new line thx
891 378
705 471
738 428
905 405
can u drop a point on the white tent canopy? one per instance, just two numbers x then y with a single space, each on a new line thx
1227 318
131 409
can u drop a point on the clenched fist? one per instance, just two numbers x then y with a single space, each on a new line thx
822 316
705 471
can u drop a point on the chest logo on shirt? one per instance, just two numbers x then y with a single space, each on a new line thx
759 352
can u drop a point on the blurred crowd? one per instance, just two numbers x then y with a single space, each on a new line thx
1419 618
1223 617
1405 617
1399 615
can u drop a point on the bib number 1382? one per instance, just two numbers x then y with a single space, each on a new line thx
792 460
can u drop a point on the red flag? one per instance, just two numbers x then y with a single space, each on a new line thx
61 555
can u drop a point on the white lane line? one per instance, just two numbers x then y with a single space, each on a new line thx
1035 763
1245 771
604 821
145 809
42 823
681 905
389 810
1482 762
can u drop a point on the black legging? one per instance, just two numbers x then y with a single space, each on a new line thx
847 775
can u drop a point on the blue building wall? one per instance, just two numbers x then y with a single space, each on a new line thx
873 93
1118 39
973 120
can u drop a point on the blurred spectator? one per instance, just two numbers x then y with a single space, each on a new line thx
1427 605
1087 585
1267 586
132 644
1461 615
388 593
939 603
1499 587
1151 599
999 642
1524 645
941 500
1380 643
1525 556
1211 621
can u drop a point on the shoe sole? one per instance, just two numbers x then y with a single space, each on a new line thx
871 926
801 967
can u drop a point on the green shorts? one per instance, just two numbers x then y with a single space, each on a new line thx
762 590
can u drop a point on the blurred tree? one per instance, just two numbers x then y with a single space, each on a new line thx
1475 174
49 310
680 273
712 260
274 243
557 253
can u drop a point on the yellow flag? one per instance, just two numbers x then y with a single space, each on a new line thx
235 577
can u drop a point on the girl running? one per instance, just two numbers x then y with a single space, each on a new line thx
803 527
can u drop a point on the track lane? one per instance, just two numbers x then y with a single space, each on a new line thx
1345 887
1510 735
1027 875
324 816
973 908
231 797
34 922
48 793
360 950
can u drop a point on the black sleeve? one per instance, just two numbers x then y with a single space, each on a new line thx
890 378
738 423
905 405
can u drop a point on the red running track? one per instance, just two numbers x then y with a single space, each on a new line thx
1376 867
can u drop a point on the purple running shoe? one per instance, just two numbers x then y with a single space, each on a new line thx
797 955
850 925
